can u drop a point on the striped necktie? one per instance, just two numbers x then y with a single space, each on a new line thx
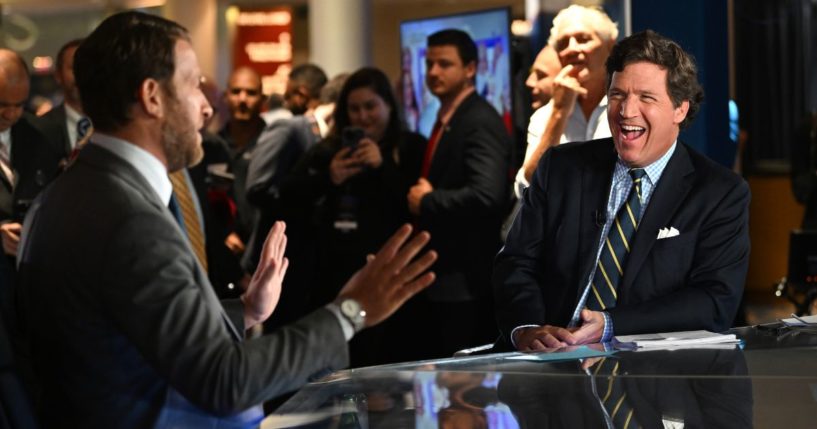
616 247
612 394
185 212
6 169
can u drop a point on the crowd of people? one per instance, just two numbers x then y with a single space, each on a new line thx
198 270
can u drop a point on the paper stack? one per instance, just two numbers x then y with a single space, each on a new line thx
675 340
809 321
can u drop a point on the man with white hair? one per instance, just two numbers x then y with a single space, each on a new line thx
582 37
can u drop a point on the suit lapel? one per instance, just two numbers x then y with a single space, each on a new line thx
444 147
595 188
104 159
62 115
672 189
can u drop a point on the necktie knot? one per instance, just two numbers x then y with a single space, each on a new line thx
637 173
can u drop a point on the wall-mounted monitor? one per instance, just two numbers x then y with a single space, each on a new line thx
490 29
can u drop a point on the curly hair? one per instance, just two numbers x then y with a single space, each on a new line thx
682 73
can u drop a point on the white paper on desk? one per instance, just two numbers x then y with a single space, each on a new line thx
676 339
810 321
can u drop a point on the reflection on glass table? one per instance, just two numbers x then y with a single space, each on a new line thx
570 388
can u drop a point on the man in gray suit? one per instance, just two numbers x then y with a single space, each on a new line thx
125 328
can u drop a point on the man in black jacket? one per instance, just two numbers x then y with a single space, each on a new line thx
461 196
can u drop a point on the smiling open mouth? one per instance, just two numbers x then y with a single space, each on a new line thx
632 132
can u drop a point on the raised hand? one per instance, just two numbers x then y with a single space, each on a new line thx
389 278
264 289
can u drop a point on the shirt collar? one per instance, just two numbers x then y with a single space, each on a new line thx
654 170
143 161
71 114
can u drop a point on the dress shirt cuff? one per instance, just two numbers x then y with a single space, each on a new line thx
520 184
607 334
513 343
345 324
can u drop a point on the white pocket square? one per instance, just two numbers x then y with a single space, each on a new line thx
667 233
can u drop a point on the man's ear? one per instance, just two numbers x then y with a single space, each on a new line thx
150 98
471 70
680 112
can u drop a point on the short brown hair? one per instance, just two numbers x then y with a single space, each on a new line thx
111 64
682 73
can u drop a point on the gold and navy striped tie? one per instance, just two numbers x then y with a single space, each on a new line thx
615 249
191 223
613 395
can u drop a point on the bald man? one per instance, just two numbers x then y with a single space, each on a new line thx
540 80
582 38
245 100
27 162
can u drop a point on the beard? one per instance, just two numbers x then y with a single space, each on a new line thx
181 141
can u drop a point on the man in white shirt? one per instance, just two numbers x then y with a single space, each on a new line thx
582 37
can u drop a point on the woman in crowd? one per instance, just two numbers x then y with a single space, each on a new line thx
357 180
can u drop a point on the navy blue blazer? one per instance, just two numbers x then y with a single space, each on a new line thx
690 281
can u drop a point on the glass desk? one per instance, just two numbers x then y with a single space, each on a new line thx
770 381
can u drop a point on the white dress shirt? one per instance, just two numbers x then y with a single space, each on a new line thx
143 161
72 118
578 129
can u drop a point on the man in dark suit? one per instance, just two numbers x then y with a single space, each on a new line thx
638 233
125 328
66 124
461 196
27 163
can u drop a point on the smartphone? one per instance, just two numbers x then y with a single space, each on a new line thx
350 137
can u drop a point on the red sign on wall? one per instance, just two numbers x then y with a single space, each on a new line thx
263 41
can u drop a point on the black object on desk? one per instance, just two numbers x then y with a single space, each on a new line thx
800 284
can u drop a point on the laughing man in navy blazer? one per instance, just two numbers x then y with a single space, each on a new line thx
561 279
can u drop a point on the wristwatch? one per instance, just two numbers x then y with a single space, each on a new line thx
353 312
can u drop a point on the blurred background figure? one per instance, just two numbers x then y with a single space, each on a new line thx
66 124
357 179
245 101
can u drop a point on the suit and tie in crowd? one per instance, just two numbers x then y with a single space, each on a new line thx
582 263
126 329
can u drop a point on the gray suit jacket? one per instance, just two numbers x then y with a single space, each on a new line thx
126 330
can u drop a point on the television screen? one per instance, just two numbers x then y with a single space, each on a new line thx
490 30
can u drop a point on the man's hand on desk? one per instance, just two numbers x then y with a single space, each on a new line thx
540 338
591 329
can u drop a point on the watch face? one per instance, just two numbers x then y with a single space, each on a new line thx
350 308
